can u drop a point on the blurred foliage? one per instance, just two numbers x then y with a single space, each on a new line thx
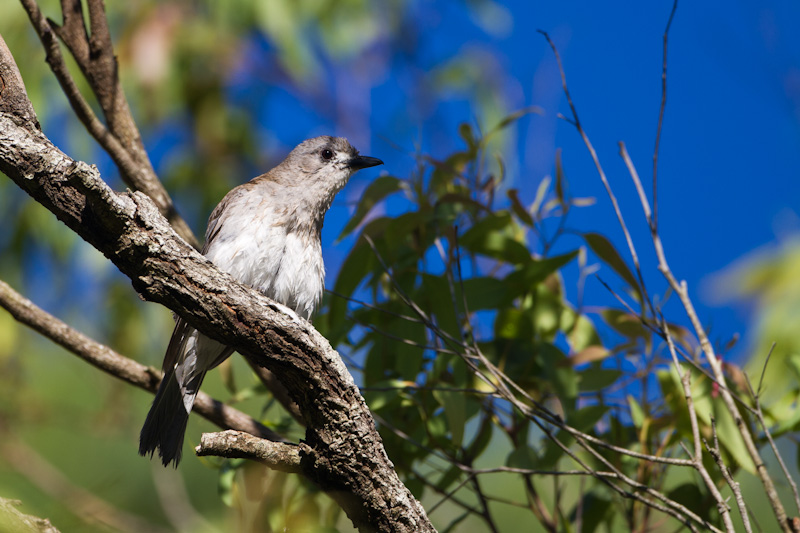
768 281
488 268
484 269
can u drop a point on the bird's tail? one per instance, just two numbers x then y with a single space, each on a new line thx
165 425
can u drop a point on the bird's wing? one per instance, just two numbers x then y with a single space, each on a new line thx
214 224
179 334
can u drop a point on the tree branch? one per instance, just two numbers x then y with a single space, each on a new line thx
343 452
235 444
119 136
12 519
119 366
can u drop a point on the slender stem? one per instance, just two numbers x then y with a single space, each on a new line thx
661 116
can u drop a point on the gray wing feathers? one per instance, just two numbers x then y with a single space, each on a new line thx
165 425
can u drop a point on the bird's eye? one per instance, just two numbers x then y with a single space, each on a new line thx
327 155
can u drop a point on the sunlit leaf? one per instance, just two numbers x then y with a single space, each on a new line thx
731 439
625 323
495 236
589 354
513 117
583 202
541 191
637 414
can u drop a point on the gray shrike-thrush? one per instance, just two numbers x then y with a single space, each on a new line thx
266 234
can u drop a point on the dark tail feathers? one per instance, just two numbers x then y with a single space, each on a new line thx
165 425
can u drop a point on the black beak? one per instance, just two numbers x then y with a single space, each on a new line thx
362 161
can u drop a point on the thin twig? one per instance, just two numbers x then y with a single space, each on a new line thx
761 420
726 474
631 248
654 223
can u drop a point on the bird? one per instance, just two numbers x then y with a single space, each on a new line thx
266 233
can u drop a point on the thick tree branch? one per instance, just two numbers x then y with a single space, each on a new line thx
235 444
12 519
119 366
343 453
119 136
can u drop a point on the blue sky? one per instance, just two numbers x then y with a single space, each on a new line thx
729 161
729 158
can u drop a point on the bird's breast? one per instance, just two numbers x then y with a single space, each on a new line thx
261 251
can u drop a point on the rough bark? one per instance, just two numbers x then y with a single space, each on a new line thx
342 452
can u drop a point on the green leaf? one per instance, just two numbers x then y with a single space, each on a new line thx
378 399
497 236
524 279
580 331
513 117
434 294
227 476
482 439
596 510
465 131
513 324
374 193
519 209
560 181
626 324
637 413
604 250
690 495
558 373
585 419
358 265
730 438
523 457
444 172
595 378
455 410
486 293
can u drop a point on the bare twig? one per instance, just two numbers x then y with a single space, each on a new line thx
661 116
726 474
697 456
756 395
235 444
577 123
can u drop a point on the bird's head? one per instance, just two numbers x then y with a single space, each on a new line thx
325 163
